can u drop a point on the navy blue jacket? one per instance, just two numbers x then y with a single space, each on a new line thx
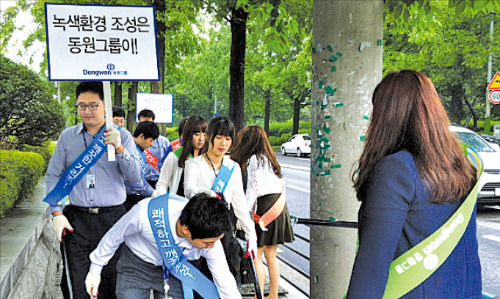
397 215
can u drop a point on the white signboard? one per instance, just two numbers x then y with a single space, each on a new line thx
101 42
161 104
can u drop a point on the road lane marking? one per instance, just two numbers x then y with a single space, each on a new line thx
299 189
491 237
295 167
489 224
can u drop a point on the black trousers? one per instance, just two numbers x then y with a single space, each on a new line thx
132 200
88 230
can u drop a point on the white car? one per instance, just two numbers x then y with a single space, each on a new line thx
299 144
490 193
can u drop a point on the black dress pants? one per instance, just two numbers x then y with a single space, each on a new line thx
89 228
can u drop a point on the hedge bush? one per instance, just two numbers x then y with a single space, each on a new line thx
172 130
19 175
46 151
278 129
173 136
276 141
278 132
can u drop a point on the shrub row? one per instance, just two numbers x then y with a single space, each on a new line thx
45 151
278 132
19 175
278 137
278 129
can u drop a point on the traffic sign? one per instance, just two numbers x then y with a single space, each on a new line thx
495 96
495 82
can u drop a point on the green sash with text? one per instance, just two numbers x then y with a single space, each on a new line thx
417 264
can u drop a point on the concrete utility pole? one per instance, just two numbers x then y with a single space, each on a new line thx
489 73
347 65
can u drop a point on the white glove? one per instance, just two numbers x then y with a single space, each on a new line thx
252 248
92 284
155 194
59 224
238 225
112 136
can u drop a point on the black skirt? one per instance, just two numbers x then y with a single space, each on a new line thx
280 230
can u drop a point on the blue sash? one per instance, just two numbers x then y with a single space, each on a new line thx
222 179
78 169
142 158
171 254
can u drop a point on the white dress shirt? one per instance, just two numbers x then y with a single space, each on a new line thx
135 230
199 177
170 176
261 180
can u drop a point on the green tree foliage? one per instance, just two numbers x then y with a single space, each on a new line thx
279 77
451 49
28 112
203 77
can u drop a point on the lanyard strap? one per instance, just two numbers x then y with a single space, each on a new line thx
171 254
78 169
212 164
417 264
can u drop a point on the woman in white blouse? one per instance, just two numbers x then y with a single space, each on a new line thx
172 173
201 173
265 196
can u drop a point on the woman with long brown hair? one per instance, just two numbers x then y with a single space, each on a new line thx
172 173
412 176
264 192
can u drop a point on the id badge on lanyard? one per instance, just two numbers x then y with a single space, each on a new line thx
90 180
166 287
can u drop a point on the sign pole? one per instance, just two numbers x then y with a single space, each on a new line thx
108 110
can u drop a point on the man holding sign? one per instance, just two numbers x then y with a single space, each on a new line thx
77 163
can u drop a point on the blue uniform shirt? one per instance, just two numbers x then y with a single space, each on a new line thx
142 187
109 176
158 149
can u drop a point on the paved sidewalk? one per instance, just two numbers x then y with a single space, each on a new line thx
23 222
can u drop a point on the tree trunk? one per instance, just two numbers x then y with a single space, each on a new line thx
118 94
160 8
132 100
473 113
296 116
456 106
237 68
341 33
267 111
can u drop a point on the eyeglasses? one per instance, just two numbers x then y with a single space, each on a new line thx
83 107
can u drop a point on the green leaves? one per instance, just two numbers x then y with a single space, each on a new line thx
451 49
27 109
